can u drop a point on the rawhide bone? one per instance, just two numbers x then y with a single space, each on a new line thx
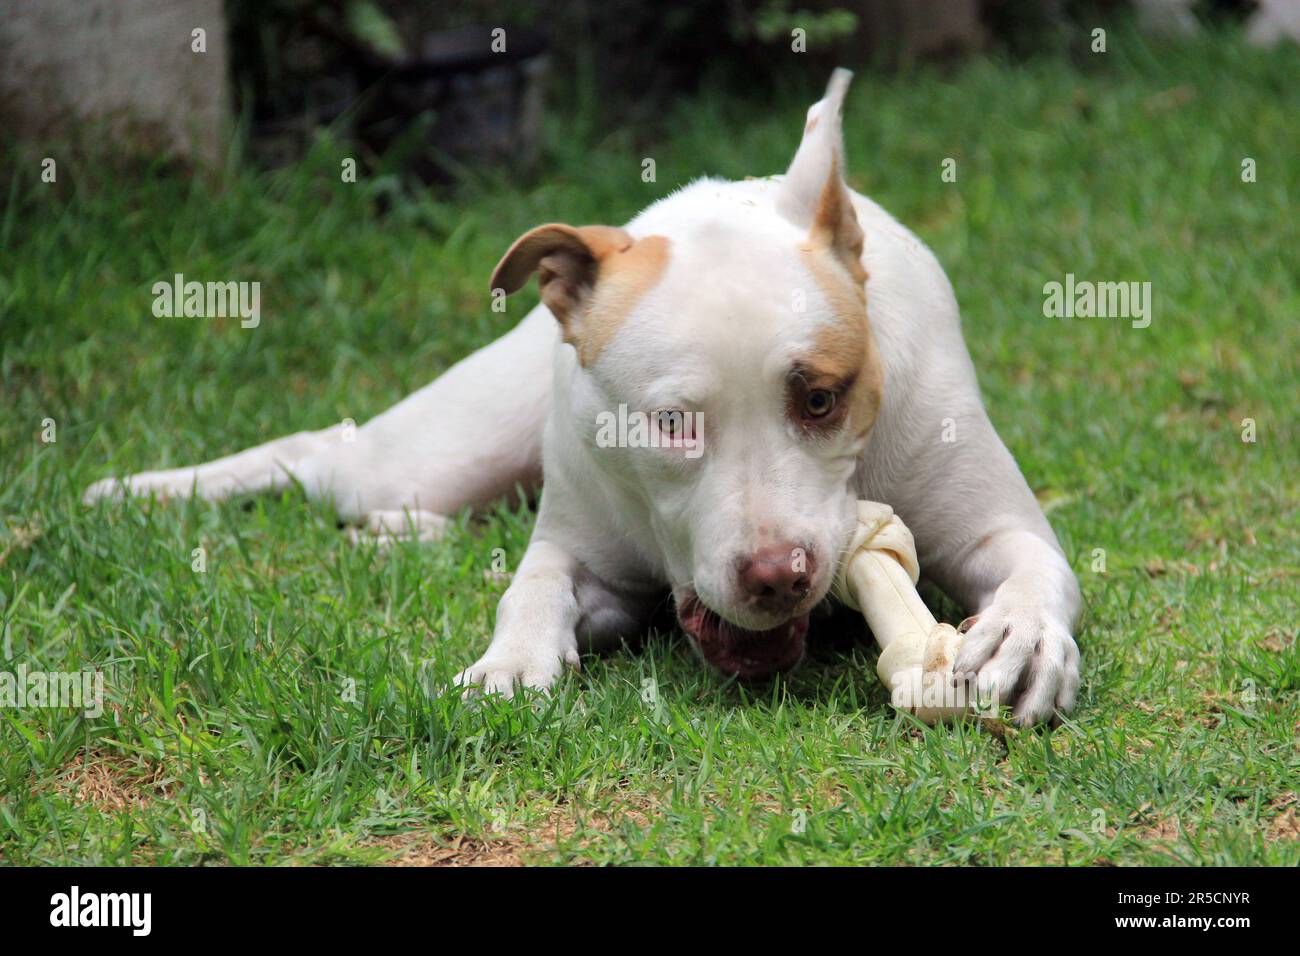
878 577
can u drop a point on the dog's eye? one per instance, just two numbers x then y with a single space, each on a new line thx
670 422
676 428
819 403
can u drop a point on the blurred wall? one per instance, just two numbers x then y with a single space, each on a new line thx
124 69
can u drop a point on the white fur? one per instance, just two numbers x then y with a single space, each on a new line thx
715 334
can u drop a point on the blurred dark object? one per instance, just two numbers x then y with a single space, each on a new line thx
484 105
423 84
429 100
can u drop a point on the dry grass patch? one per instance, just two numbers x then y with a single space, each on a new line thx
111 783
512 846
1286 825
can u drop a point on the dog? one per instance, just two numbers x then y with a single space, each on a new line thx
774 349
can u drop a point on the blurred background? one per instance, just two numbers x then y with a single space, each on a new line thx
434 86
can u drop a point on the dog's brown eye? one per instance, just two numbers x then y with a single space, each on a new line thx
819 403
670 423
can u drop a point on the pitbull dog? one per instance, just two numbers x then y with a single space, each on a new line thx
708 391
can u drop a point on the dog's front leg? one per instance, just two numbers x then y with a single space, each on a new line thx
982 537
537 617
1020 649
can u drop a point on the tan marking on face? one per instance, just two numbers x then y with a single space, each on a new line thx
844 348
623 279
604 241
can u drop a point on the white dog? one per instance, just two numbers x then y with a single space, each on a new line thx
772 350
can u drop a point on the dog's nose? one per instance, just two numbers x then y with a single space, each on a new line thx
776 578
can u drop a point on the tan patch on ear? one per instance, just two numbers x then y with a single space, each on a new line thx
525 253
623 279
604 241
835 224
565 260
844 348
590 277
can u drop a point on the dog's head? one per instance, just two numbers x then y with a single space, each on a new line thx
726 381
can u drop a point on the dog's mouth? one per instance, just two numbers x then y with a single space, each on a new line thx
733 650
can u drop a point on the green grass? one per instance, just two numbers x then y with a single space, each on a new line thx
229 737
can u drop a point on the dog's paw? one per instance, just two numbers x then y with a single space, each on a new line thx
385 528
109 489
1019 656
505 672
157 485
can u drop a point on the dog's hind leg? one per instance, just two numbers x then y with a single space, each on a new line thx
471 436
264 467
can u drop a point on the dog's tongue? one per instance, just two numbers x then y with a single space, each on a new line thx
746 654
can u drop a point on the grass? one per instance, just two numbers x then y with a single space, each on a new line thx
231 734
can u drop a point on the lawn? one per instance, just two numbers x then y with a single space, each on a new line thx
275 707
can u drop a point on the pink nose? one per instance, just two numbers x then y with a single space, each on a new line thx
776 578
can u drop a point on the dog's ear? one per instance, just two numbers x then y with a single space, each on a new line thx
813 194
566 259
